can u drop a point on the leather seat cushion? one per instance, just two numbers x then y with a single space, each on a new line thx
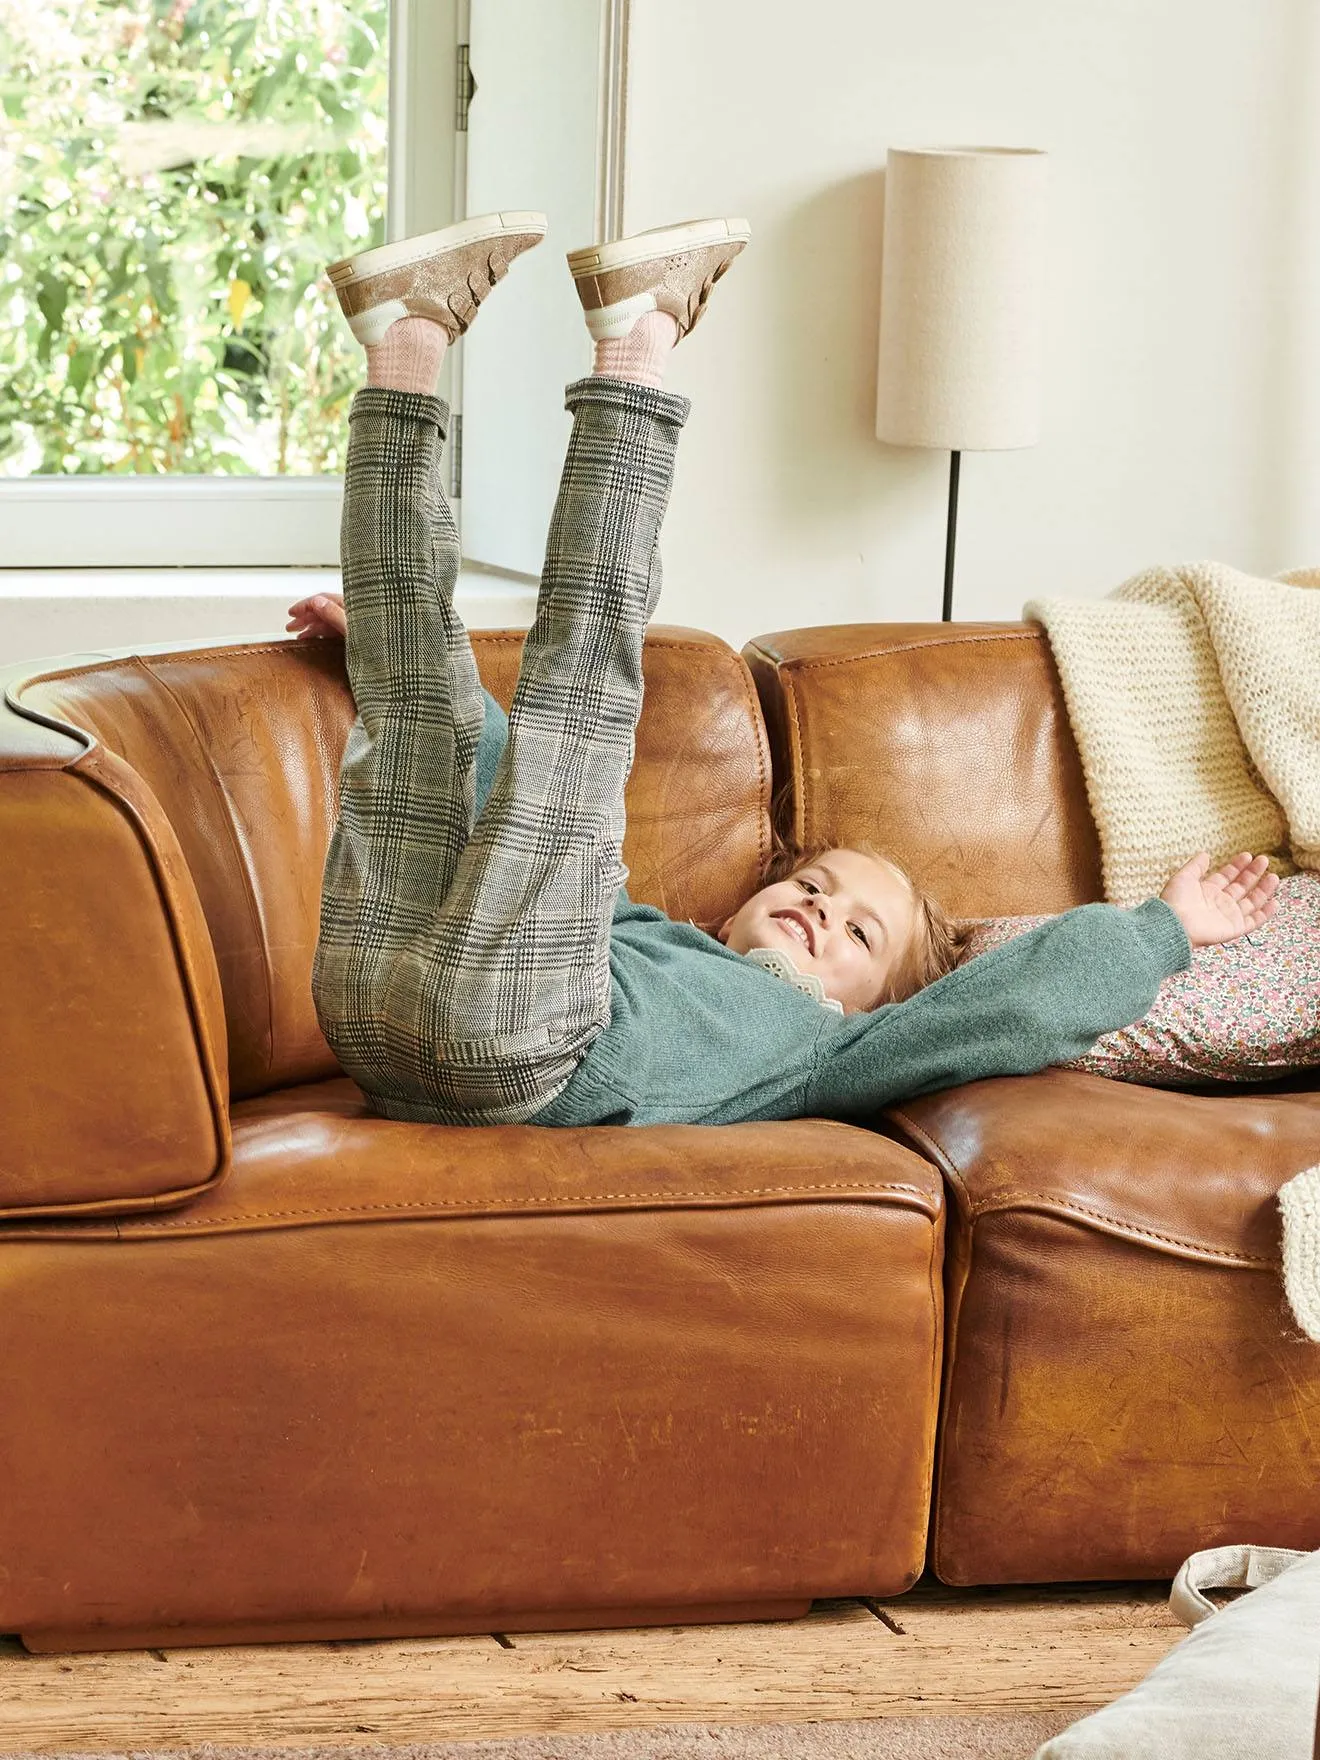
473 1372
1124 1382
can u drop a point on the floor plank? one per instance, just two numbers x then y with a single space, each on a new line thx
932 1651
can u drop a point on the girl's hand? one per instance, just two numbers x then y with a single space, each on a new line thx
1232 901
321 615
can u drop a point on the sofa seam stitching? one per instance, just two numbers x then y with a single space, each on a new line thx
752 702
532 1203
481 636
944 1162
1054 1205
795 757
901 648
1047 1201
230 817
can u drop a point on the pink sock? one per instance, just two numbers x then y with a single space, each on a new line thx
640 355
408 356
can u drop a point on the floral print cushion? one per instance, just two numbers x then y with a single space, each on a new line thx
1245 1011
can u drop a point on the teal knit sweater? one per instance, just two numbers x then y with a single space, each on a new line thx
701 1035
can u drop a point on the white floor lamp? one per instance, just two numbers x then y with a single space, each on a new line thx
961 305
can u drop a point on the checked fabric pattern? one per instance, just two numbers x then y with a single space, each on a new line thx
462 969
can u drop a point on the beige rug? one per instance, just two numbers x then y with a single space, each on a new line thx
1008 1737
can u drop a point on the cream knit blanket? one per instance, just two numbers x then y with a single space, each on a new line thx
1194 698
1299 1204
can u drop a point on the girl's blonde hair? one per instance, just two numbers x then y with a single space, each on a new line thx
937 941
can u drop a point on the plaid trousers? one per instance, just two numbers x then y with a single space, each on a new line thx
462 969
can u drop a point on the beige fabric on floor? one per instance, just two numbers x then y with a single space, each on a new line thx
1010 1737
1242 1685
1193 696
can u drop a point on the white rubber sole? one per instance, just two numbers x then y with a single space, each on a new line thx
430 244
662 241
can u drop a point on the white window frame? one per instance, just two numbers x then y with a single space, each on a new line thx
196 521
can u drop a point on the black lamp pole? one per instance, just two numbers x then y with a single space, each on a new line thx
950 535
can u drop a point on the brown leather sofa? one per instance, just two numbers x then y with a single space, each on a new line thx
1123 1380
274 1368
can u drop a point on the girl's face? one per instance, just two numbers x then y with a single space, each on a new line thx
846 918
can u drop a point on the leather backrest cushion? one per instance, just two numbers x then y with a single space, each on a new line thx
242 745
947 747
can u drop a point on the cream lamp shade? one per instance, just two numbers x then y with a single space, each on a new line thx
962 297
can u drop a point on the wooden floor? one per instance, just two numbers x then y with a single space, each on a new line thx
932 1651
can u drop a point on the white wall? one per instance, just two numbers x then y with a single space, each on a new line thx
1183 363
1183 357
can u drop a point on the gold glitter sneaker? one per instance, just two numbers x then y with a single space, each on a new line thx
669 269
441 275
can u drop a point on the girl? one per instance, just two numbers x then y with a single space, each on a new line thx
479 961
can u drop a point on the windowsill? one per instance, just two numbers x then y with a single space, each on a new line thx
167 521
478 585
49 612
164 583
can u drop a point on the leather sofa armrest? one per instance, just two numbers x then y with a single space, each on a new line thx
113 1067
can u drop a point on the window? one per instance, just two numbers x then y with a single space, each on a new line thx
174 176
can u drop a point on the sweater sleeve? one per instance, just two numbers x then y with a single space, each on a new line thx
490 749
1044 998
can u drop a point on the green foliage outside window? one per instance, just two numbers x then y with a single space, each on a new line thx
174 177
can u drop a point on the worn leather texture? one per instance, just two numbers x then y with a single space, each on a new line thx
946 746
112 1033
396 1374
240 748
1124 1382
392 1378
